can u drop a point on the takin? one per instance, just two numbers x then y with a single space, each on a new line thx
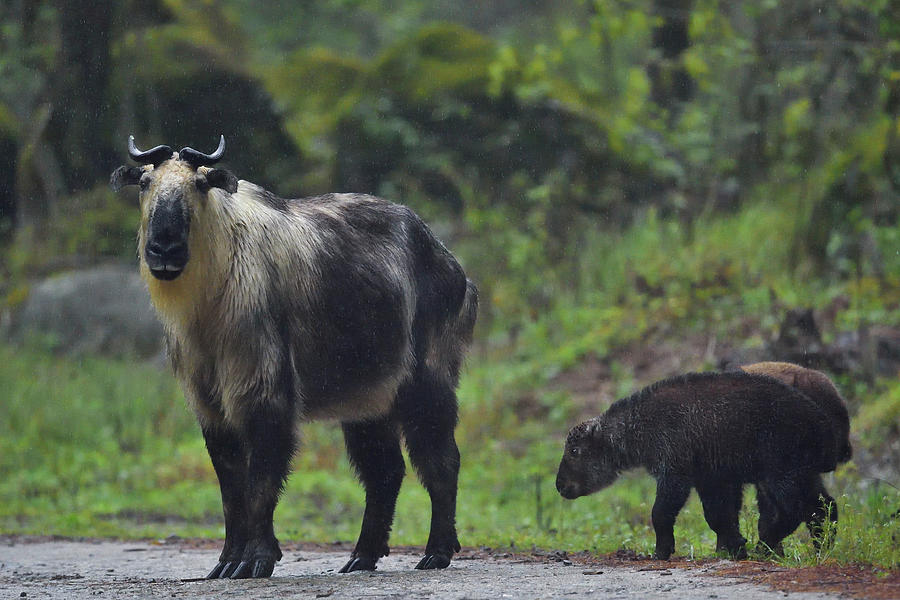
277 312
819 388
713 432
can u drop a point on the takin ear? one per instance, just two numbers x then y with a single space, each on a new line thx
216 178
600 434
125 175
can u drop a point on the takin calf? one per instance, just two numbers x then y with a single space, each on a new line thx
713 432
820 389
277 312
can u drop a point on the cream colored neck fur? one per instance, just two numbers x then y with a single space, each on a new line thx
182 301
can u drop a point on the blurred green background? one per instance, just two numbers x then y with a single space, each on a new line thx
638 187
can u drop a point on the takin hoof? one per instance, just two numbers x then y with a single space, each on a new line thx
739 553
438 555
765 551
734 551
223 569
253 569
257 560
359 563
434 561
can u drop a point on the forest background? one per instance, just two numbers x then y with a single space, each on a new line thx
638 187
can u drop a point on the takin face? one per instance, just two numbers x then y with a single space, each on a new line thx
173 190
590 461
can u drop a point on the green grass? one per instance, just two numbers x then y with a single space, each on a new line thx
98 447
105 448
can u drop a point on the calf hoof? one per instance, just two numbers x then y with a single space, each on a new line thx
734 551
359 563
766 551
434 561
738 553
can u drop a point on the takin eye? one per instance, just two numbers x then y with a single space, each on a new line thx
574 451
144 183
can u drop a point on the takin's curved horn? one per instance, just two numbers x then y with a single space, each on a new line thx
198 159
153 155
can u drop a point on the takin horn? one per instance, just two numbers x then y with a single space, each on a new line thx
153 155
199 159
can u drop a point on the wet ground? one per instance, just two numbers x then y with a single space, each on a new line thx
57 569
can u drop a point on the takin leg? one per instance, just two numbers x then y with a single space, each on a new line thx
374 451
789 499
671 494
721 512
768 515
230 462
269 439
427 411
820 507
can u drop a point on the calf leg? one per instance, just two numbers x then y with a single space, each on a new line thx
671 494
427 410
768 515
230 462
269 440
782 508
374 451
721 511
814 507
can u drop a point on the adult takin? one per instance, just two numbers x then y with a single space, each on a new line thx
277 312
712 432
821 390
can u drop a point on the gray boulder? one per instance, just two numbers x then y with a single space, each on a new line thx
103 310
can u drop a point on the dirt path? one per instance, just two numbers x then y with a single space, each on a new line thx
107 569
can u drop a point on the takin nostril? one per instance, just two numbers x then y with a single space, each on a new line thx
167 249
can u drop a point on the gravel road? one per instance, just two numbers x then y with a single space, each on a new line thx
105 569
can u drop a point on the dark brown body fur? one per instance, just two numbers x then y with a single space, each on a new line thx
820 389
713 432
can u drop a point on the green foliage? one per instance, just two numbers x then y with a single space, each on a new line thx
94 225
439 59
879 413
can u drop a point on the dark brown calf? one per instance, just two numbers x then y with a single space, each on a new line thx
713 432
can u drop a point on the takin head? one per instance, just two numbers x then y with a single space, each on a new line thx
173 188
590 461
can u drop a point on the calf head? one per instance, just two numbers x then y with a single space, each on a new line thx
589 463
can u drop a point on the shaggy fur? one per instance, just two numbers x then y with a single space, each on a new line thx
713 432
819 388
278 311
